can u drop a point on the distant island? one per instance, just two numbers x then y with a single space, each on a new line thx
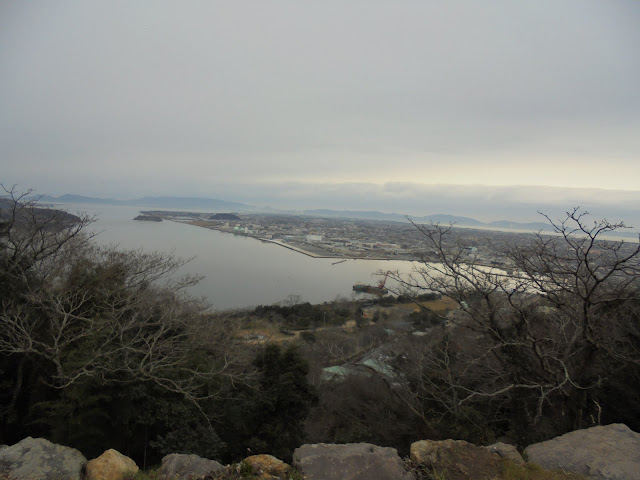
148 218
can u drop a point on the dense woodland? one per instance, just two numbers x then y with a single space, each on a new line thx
102 348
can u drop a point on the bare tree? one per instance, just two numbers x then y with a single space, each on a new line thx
30 233
542 339
82 312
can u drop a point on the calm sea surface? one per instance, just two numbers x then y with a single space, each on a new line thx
239 271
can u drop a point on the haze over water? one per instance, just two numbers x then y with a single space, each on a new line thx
239 271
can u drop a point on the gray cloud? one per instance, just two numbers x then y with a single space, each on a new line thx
123 96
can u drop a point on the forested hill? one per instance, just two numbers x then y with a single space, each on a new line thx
42 215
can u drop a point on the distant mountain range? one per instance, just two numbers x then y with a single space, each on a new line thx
157 202
216 205
442 219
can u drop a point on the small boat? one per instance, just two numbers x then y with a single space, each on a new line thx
373 289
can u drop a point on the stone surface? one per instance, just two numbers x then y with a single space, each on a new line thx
186 467
456 459
611 452
39 459
506 450
267 467
353 461
111 465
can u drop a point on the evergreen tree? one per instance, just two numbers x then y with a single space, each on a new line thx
269 416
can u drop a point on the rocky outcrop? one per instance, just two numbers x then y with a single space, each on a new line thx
353 461
186 467
111 465
599 453
39 459
267 467
456 459
611 452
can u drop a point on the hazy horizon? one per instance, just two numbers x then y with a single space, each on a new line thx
408 107
487 204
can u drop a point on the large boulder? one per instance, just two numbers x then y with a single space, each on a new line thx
186 467
353 461
506 450
267 467
456 459
611 452
39 459
111 465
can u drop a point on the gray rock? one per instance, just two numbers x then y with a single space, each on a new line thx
352 461
39 459
456 459
186 467
506 450
611 452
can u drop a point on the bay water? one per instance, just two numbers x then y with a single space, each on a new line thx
239 272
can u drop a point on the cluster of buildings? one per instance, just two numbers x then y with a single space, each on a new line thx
317 236
352 238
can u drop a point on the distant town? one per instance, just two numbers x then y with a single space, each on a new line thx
343 238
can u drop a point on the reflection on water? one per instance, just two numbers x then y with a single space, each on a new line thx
239 271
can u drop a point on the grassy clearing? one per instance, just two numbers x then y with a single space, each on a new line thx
441 305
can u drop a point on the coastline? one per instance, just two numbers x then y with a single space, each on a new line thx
315 255
293 247
310 254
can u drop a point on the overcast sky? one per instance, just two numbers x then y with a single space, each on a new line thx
310 102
